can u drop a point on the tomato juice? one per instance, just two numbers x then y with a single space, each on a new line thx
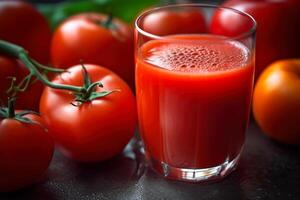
193 94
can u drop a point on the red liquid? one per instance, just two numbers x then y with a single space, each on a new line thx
193 97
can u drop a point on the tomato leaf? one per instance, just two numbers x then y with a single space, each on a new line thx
126 10
9 113
26 120
25 112
95 95
86 77
3 113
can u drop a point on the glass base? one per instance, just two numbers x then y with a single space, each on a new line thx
195 175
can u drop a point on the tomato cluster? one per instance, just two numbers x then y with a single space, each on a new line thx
89 111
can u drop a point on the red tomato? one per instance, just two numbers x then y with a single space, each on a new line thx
25 153
22 24
85 38
277 32
174 22
26 100
96 130
276 101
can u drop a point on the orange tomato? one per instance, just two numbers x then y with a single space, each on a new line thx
276 101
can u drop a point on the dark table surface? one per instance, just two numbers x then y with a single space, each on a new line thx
267 170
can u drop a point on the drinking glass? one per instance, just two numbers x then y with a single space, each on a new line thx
194 81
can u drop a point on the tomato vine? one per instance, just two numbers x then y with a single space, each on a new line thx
85 93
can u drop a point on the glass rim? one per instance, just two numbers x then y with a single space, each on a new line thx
249 33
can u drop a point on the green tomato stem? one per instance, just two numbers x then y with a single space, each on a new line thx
46 68
9 113
18 52
83 94
24 58
11 49
11 108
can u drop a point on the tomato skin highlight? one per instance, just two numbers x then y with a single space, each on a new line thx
12 68
26 151
276 101
83 38
22 24
96 130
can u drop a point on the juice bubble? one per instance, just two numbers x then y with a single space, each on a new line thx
198 55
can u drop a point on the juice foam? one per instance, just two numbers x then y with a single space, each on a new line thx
197 55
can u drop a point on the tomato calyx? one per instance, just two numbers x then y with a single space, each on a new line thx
107 23
88 93
9 113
